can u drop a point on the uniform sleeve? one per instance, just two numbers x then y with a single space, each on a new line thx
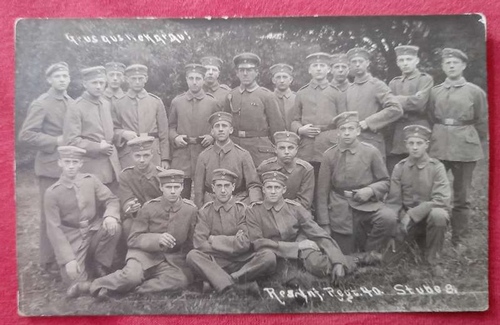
234 245
417 102
391 108
31 131
199 181
62 247
162 125
125 192
440 196
305 195
481 114
323 191
381 185
252 181
201 234
108 199
117 126
394 199
296 113
274 117
140 237
72 132
172 122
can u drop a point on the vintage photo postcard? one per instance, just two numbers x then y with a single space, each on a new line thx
271 165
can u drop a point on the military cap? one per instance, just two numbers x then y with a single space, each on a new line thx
220 116
115 66
211 60
246 60
194 67
286 136
59 66
171 176
358 51
319 57
141 143
418 131
71 152
345 117
93 73
339 58
274 176
281 67
224 174
406 50
454 53
136 69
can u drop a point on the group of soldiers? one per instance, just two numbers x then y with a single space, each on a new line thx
274 175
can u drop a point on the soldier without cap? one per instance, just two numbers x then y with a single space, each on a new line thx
340 72
115 78
282 78
211 84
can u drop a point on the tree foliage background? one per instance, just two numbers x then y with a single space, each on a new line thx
166 45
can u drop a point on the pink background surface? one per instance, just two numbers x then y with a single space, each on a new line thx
10 10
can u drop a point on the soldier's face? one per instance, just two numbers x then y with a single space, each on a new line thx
212 74
142 158
247 75
115 79
137 82
273 191
359 65
96 86
221 130
453 67
319 70
416 147
348 132
407 63
70 166
223 190
194 81
340 71
171 191
286 151
59 80
282 80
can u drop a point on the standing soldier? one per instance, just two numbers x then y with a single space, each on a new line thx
458 110
282 79
352 183
79 234
412 90
224 153
188 125
300 173
140 113
211 83
115 79
43 129
221 245
420 195
371 98
89 125
340 72
256 114
316 104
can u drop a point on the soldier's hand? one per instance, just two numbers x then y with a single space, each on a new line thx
363 125
363 194
129 135
210 238
308 244
180 141
240 233
327 229
110 225
72 270
132 206
167 240
165 164
207 140
338 274
405 223
309 131
106 148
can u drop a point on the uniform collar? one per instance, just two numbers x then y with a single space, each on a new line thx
212 88
118 94
225 148
421 163
454 83
133 94
277 206
316 84
199 96
352 149
252 89
171 207
363 79
91 99
340 86
69 183
148 173
285 94
412 75
227 206
59 96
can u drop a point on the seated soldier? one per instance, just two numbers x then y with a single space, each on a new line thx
160 237
352 182
80 237
300 173
221 243
420 194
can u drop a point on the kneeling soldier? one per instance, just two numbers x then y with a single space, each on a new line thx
80 237
420 194
221 243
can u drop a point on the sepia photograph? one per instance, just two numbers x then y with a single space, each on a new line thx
251 165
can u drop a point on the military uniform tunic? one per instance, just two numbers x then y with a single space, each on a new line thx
189 115
219 91
110 95
342 88
286 101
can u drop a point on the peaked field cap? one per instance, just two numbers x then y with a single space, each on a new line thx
115 66
246 60
286 136
224 174
345 117
59 66
94 72
274 176
195 67
71 152
281 67
319 57
211 60
358 51
141 143
418 131
406 50
171 176
339 58
454 53
136 69
220 116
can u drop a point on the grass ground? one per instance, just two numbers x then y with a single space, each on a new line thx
403 286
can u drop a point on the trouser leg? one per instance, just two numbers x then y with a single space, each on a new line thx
435 231
379 227
122 280
186 190
206 266
167 276
46 251
102 247
345 242
262 263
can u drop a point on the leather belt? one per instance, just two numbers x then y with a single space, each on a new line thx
454 122
345 193
250 134
151 134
